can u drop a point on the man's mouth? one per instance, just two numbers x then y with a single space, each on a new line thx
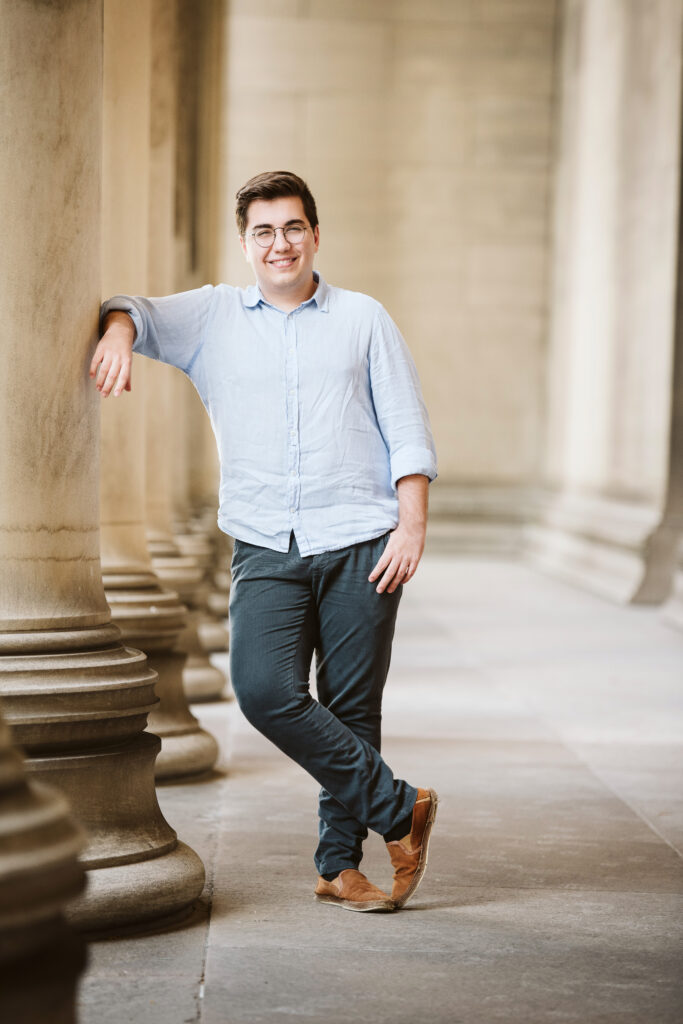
286 262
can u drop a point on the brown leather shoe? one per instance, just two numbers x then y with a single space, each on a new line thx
351 890
409 855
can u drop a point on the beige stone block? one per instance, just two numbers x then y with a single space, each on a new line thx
267 8
366 10
512 130
476 45
507 205
432 124
301 55
482 383
348 194
348 126
268 129
508 276
516 12
452 11
426 206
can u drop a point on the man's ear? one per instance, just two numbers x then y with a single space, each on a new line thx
316 236
244 248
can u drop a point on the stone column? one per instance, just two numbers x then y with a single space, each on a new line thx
181 574
75 698
149 617
40 957
607 520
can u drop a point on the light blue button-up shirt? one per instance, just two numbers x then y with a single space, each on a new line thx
317 413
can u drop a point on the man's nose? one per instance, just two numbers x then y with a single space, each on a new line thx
280 243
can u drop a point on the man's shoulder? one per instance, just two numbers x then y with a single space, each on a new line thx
346 300
233 293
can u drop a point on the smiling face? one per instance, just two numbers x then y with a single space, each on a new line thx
284 270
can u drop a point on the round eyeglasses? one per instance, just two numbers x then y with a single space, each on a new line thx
266 236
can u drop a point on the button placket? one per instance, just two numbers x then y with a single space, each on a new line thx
292 385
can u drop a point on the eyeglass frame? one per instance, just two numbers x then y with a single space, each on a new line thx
288 227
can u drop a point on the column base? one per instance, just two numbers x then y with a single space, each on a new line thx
181 756
203 682
213 636
137 870
601 544
186 748
128 898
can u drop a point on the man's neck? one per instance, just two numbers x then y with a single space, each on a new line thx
287 301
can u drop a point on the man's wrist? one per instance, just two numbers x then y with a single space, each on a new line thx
120 323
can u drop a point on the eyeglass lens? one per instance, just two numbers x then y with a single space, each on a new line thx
266 236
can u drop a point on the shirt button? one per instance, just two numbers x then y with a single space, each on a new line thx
292 510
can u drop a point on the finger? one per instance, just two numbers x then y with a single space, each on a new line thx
404 572
123 380
111 377
400 577
103 370
410 573
96 360
382 563
388 576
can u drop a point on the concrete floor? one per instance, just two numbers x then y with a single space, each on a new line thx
550 724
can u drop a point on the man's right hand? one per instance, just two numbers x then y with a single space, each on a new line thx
113 358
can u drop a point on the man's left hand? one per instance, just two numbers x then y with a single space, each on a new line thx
400 558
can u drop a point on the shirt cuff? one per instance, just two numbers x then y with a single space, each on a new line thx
412 460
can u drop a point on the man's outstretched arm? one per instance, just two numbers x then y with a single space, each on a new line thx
113 358
402 554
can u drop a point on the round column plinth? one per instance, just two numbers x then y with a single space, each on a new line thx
77 701
218 603
186 748
138 871
154 619
213 635
134 897
40 957
202 680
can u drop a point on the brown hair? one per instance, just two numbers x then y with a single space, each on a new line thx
274 185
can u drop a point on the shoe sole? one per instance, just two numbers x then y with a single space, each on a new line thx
422 863
362 908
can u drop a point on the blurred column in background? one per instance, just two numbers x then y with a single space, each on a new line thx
76 700
673 512
196 232
150 618
610 517
181 573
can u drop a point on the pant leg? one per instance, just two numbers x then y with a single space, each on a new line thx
273 630
356 630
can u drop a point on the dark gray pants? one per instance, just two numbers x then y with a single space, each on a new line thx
283 607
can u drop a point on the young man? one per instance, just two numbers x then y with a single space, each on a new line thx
326 456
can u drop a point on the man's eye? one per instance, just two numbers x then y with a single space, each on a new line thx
264 233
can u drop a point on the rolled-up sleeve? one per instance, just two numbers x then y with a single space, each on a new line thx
399 406
170 328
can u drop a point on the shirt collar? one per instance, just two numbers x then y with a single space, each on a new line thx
252 295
